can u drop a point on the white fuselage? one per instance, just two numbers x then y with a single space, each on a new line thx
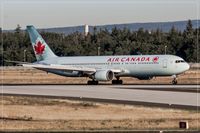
140 66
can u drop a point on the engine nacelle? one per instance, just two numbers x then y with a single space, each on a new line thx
104 75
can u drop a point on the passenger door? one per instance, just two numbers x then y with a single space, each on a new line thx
165 63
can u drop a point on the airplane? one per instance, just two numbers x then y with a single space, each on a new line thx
104 68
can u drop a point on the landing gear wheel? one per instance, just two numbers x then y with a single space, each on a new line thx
92 82
174 81
117 82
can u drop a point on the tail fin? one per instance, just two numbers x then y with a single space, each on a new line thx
40 47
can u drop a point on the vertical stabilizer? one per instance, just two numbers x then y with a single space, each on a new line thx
40 47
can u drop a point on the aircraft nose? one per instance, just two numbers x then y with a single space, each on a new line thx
187 66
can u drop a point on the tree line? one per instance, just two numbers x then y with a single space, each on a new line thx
16 46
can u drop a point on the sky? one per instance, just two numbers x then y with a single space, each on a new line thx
64 13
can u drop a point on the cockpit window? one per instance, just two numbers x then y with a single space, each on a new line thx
179 61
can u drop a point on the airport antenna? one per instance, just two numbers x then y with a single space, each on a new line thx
86 29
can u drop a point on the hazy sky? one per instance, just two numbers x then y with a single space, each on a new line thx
60 13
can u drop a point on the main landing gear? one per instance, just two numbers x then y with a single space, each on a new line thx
92 82
114 82
174 81
117 82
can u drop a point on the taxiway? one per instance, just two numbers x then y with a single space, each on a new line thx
167 95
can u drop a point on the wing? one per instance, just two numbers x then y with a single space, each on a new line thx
67 67
61 67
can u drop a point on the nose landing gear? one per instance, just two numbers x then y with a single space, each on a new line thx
174 81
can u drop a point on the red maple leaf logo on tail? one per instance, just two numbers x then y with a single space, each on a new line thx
155 59
39 48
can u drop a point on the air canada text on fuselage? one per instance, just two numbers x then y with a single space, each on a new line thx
133 59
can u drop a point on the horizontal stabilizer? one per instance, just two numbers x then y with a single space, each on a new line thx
17 62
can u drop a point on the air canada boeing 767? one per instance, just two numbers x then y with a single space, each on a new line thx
104 68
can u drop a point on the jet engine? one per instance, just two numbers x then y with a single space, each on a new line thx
104 75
